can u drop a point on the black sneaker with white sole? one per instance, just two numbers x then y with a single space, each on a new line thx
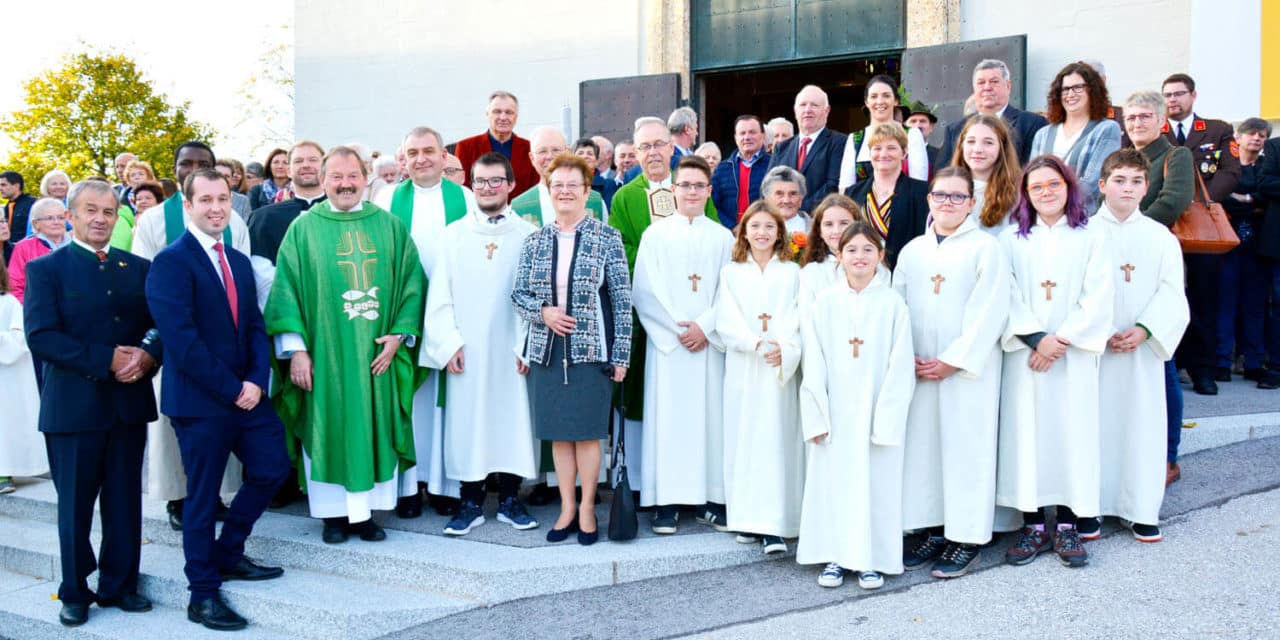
923 552
956 560
1144 532
773 544
664 519
1089 528
713 515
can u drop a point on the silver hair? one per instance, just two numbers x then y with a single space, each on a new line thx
44 182
644 121
95 186
681 118
385 161
708 145
504 94
125 153
548 129
825 99
1147 99
46 203
992 63
605 145
422 131
783 173
768 127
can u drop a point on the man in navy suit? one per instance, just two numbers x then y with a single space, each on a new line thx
815 151
217 362
86 318
991 89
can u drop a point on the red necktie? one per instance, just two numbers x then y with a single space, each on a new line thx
804 148
229 282
102 255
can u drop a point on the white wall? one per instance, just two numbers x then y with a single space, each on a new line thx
1226 57
369 71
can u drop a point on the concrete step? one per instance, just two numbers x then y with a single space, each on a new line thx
28 611
301 604
483 572
1217 431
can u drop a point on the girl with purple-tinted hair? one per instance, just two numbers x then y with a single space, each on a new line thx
1060 317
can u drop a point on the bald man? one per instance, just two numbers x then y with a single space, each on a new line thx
534 205
815 151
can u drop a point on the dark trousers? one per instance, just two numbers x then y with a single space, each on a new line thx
1271 269
257 439
1065 516
1173 408
104 466
1242 312
1197 352
475 492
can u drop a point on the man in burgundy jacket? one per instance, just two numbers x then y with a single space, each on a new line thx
501 138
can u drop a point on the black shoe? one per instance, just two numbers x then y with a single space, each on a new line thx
444 505
1223 374
247 569
560 535
923 552
1265 378
713 515
956 560
287 494
369 531
587 539
131 602
665 519
215 614
73 614
335 530
221 514
1089 528
542 495
409 507
1204 384
175 514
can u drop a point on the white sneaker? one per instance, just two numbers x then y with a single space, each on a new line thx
832 576
747 538
870 580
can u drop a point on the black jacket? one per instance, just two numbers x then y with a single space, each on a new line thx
907 213
1269 187
1022 124
268 225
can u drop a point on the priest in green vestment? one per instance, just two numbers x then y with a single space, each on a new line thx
349 289
635 205
534 205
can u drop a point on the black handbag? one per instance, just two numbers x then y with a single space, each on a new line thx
623 522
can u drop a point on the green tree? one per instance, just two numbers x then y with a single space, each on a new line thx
78 117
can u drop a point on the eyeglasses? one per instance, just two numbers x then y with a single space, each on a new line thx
542 153
654 146
1175 94
565 186
47 219
452 171
1139 117
939 197
692 186
1077 89
1040 187
492 183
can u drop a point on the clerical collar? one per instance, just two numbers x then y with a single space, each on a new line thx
309 201
85 245
434 187
359 206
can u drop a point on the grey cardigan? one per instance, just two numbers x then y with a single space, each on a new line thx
599 294
1096 142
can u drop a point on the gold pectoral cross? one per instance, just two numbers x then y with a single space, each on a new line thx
1128 271
491 247
937 283
764 321
1048 289
856 342
694 279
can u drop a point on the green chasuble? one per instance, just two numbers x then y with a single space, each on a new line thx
629 214
528 205
175 221
344 279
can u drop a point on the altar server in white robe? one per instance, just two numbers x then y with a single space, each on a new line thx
1151 315
22 451
859 373
1059 323
822 267
955 281
758 321
677 273
472 332
427 203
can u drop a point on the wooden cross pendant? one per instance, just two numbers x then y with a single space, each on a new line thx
855 342
694 279
764 321
1048 288
1128 271
937 283
491 247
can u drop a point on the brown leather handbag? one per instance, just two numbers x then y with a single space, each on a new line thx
1204 226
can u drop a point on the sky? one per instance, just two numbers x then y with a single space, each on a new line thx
161 37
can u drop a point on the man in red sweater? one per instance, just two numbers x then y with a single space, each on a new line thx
503 111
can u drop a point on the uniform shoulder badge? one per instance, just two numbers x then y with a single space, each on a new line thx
1198 125
1234 147
1165 128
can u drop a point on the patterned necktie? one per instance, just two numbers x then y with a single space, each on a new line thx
496 219
229 283
804 149
1182 136
102 255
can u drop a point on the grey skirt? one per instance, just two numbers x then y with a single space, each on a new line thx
569 412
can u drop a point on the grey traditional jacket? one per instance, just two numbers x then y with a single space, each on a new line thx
599 294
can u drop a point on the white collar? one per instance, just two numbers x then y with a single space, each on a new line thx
813 136
1106 213
1187 124
204 239
85 245
654 186
421 189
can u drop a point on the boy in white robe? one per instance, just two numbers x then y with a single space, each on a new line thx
955 281
858 379
471 334
677 272
1151 314
1059 323
758 322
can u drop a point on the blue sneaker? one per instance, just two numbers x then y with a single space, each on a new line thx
513 513
469 517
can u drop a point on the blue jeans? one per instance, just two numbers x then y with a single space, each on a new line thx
1246 281
1173 408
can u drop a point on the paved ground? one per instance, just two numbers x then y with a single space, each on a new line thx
1212 576
1237 397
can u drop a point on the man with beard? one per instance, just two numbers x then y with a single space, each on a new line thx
269 224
